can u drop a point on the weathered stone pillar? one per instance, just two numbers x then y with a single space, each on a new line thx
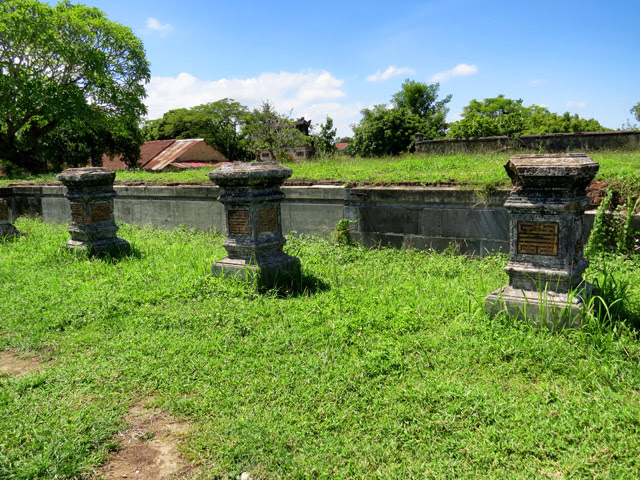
7 230
546 260
93 228
251 196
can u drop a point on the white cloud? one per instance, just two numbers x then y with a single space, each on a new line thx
392 71
537 82
156 26
458 71
576 105
308 93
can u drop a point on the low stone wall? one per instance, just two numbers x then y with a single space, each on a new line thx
551 143
412 217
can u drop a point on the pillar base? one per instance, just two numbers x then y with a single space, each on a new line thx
8 231
552 310
269 272
111 246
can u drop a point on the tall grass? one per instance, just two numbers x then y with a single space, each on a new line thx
389 369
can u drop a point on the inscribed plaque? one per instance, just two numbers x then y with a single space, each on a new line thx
77 213
4 211
100 212
239 221
538 238
267 220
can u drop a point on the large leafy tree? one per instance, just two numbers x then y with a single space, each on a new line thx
71 85
385 131
390 130
504 116
421 99
219 123
325 139
268 130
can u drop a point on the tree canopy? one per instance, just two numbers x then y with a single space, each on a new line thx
325 139
219 123
503 116
636 110
421 99
266 129
390 130
71 85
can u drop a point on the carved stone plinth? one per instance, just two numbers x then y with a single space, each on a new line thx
7 230
546 262
90 193
251 196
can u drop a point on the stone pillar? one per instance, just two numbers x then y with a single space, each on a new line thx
7 230
93 228
546 262
251 196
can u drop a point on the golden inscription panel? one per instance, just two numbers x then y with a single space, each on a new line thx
239 221
4 211
77 213
538 238
267 220
100 212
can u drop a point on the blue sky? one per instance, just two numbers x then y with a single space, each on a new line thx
336 57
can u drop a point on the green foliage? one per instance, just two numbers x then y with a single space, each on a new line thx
612 226
325 140
636 110
219 123
391 130
503 116
266 129
341 235
385 131
69 76
421 99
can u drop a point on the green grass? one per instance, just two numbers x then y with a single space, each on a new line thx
469 171
389 368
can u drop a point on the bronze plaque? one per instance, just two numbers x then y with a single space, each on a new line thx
100 212
239 221
4 211
77 213
267 220
538 238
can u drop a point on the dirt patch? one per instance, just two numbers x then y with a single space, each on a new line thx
13 365
148 449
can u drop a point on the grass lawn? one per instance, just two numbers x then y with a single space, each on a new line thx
388 368
469 171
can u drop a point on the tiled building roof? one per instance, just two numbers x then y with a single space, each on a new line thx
156 155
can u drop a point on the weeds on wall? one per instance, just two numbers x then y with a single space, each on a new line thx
612 226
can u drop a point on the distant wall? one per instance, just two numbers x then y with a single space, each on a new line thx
551 143
411 217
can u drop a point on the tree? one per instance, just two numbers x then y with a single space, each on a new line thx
421 99
504 116
325 140
69 76
636 110
390 130
219 123
266 129
385 131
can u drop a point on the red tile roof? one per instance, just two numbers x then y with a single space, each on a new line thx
156 155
